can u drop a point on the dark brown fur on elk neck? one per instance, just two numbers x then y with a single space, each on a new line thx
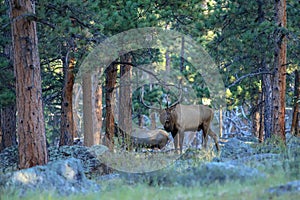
168 118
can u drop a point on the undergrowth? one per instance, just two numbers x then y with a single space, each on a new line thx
278 172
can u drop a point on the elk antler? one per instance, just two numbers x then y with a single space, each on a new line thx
178 100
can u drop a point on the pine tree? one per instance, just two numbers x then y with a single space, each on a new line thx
30 129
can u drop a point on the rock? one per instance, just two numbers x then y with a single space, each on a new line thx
63 177
234 148
257 159
219 172
89 156
290 187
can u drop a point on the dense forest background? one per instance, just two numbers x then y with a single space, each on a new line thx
255 46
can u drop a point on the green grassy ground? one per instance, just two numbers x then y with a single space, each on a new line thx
117 189
278 172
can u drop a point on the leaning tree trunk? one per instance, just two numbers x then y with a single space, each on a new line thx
67 132
279 78
110 83
30 118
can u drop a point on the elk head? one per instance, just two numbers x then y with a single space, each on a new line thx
167 116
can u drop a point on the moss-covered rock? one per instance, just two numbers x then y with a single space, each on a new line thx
62 177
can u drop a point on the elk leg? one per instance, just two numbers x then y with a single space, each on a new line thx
215 137
181 137
176 142
205 130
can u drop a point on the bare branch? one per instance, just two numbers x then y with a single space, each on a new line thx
159 81
246 76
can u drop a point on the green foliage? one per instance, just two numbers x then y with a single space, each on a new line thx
7 87
239 36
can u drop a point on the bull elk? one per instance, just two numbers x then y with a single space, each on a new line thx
179 118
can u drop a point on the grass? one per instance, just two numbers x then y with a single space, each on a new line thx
228 191
137 162
278 173
118 189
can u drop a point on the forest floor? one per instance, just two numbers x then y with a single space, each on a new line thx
244 169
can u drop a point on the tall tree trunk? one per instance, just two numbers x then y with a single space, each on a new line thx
30 118
267 96
296 112
8 126
77 91
279 79
98 111
110 83
125 98
92 112
67 133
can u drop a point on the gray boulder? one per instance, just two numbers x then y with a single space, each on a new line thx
234 148
62 177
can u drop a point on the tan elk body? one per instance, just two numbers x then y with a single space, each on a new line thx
149 138
180 118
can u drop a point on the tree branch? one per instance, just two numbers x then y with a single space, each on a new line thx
246 76
145 70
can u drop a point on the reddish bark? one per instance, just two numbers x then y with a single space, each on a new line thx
279 78
125 98
111 77
30 118
67 122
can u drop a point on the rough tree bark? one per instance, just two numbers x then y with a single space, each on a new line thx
98 111
67 132
279 77
267 96
125 98
30 118
110 83
77 91
92 109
